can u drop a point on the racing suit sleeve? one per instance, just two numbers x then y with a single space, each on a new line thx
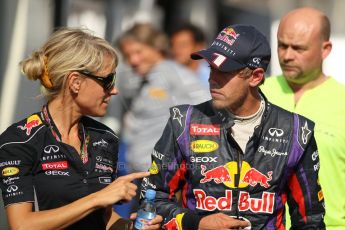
305 199
168 173
16 180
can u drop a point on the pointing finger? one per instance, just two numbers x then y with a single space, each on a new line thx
136 175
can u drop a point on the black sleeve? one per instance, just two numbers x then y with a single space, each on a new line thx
16 181
305 199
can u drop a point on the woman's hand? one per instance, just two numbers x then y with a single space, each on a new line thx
155 223
120 189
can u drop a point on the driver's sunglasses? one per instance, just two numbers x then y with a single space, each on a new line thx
107 82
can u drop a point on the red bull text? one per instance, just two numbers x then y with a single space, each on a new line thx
264 204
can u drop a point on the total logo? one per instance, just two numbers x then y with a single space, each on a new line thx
205 130
55 165
226 174
203 146
264 204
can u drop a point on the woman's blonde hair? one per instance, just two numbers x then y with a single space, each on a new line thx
67 50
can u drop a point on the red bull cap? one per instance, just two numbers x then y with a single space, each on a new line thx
237 47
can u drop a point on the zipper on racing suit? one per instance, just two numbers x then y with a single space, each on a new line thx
239 165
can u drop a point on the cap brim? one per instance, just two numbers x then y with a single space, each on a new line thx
218 60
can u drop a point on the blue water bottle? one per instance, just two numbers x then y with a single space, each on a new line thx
147 210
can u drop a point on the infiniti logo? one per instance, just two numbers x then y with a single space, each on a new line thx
12 188
51 148
276 132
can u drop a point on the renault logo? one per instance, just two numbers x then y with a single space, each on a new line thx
276 132
51 148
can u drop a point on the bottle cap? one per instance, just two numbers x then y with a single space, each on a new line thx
150 194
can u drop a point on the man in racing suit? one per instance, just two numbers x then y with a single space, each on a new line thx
237 158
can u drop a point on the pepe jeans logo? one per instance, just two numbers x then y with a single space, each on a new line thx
275 132
51 148
272 152
10 180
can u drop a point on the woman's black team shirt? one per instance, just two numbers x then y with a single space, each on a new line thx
32 159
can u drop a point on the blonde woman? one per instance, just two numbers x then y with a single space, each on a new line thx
59 153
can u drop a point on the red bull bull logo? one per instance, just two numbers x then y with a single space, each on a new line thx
174 223
219 174
171 225
32 121
228 35
253 177
264 204
226 173
231 32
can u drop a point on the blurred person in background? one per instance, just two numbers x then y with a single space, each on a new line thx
59 154
163 83
303 44
237 158
185 40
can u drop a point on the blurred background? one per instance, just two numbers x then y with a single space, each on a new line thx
26 25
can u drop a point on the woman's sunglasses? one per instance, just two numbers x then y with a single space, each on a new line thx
107 82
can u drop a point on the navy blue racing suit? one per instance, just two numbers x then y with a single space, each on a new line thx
197 155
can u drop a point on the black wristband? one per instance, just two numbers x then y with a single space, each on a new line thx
190 221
